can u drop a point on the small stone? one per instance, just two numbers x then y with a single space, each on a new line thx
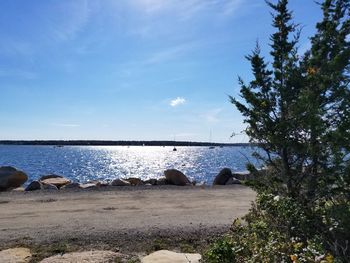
165 256
95 256
71 186
233 180
151 181
135 181
49 187
89 186
162 181
15 255
120 182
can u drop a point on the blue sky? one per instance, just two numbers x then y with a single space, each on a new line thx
130 69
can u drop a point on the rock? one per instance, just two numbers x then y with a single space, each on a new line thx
19 189
89 186
49 176
165 256
15 255
135 181
223 177
233 180
35 185
71 186
57 181
95 182
10 178
151 181
96 256
49 187
120 182
162 181
246 175
176 177
202 184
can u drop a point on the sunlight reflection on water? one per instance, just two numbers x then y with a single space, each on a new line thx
83 163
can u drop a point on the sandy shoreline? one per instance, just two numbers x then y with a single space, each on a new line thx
123 216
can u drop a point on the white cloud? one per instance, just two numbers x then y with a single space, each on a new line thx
177 101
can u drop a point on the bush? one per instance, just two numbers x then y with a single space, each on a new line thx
276 229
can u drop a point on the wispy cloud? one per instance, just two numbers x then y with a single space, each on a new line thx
169 53
66 125
186 8
177 101
212 116
68 20
18 73
12 47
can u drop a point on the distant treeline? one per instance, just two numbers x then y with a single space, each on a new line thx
119 143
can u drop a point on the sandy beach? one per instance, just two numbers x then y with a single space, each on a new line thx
127 217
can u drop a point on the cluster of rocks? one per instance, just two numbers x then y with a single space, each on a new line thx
23 255
12 178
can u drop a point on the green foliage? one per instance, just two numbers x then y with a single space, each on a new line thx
221 251
263 236
297 109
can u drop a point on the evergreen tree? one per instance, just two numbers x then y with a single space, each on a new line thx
297 109
270 99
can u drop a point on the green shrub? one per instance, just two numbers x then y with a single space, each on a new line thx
220 252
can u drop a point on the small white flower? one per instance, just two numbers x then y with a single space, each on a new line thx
276 198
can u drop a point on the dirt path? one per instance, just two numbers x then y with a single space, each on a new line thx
113 214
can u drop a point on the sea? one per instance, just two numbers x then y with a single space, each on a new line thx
105 163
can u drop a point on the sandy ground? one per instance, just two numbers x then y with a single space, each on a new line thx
120 215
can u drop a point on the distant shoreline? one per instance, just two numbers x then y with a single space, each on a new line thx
118 143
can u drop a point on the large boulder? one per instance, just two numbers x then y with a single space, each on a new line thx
176 177
49 176
222 178
10 178
56 181
33 186
165 256
120 182
94 256
15 255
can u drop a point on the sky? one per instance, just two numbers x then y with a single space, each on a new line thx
130 69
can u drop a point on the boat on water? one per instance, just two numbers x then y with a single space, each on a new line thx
210 140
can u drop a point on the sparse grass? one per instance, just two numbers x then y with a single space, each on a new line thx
45 251
187 248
